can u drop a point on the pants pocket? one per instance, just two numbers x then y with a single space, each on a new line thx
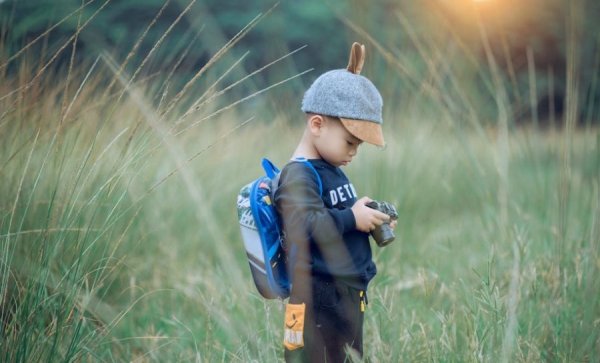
293 331
328 296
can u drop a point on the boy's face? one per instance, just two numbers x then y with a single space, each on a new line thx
334 143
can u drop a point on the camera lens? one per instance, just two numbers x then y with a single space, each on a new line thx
383 235
387 235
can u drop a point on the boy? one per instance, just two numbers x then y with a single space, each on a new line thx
327 234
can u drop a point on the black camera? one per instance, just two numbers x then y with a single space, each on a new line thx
383 235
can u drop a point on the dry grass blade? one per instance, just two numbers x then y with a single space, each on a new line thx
71 62
510 333
211 88
502 152
180 60
47 230
231 105
389 57
137 45
165 85
216 57
41 36
217 140
384 52
570 118
533 94
85 79
197 106
7 253
157 45
56 54
147 58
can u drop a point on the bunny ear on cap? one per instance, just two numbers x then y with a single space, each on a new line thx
357 58
365 130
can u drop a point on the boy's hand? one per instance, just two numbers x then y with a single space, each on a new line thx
367 218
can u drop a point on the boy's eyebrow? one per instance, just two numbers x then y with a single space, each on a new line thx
355 139
352 137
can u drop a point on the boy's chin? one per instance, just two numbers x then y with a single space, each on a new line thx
341 163
337 163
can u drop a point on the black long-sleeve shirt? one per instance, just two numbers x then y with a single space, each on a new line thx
320 229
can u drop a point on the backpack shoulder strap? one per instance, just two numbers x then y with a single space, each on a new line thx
270 169
311 166
274 173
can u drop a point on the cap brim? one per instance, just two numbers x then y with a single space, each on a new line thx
366 131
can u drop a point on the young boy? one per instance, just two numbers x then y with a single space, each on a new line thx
327 233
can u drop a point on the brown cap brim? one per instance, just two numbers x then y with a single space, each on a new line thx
366 131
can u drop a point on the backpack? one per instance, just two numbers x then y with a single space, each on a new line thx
262 233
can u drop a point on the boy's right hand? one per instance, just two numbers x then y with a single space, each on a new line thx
367 218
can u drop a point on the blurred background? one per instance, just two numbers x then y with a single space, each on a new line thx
128 128
405 40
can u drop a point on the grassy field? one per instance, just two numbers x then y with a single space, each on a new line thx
119 238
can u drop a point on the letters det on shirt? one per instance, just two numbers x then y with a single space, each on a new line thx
342 194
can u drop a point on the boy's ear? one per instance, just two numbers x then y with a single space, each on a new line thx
315 123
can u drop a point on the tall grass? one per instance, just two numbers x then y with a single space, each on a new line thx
119 238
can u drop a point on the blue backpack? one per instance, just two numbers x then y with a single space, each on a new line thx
262 232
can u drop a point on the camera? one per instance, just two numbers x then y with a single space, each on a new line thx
383 234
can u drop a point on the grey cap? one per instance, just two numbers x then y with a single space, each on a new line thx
352 98
340 93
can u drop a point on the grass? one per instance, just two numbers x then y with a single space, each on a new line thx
119 239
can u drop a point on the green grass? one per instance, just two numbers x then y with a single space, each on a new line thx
119 238
97 268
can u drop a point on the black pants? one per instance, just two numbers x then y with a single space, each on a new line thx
333 321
